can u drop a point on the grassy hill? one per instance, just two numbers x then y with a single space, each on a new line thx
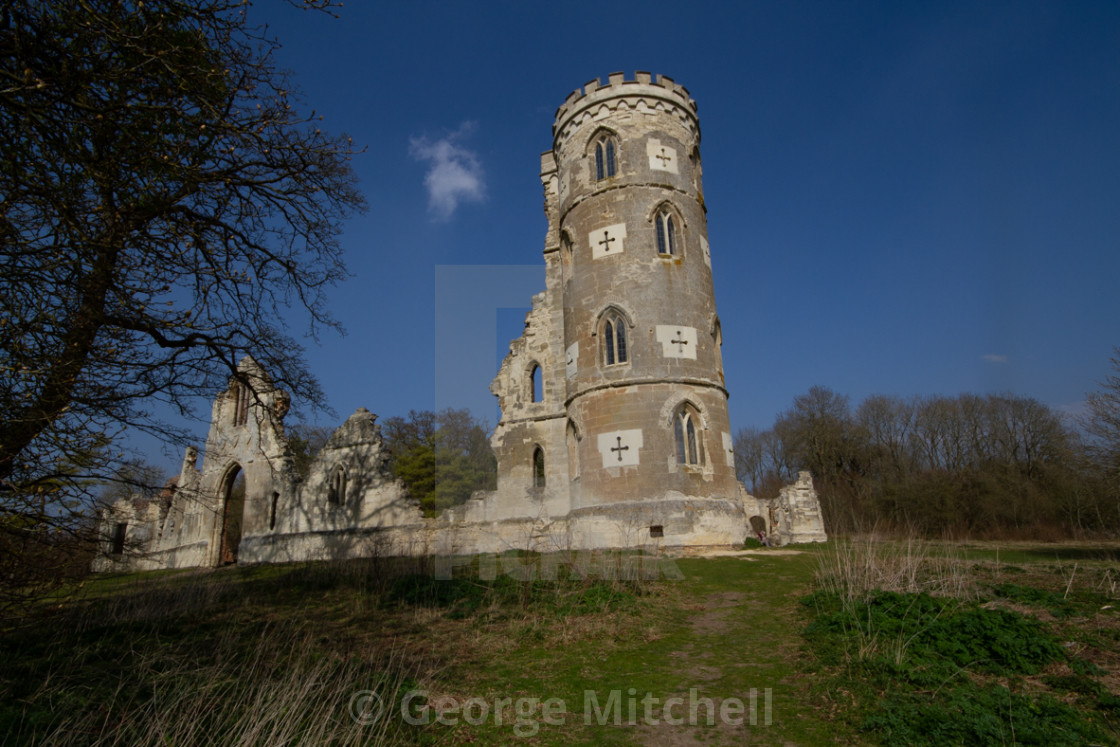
850 643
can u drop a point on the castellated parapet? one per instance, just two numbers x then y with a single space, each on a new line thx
614 428
645 92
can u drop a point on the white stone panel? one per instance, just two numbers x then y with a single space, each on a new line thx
729 449
571 359
607 241
620 448
661 157
676 342
707 251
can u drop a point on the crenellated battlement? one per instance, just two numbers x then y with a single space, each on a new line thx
645 90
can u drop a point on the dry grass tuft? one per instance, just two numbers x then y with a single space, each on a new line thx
856 568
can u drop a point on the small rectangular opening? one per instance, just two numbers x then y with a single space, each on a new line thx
656 531
118 538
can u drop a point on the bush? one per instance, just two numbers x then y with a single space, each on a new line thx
979 716
993 641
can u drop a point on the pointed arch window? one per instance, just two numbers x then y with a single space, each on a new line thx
613 332
605 161
241 403
536 385
686 426
336 488
538 467
666 225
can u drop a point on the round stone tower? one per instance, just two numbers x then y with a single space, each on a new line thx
648 432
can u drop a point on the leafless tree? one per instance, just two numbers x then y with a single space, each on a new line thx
1102 426
165 204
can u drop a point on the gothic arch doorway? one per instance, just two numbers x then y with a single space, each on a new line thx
233 512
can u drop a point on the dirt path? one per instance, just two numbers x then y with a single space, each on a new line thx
741 646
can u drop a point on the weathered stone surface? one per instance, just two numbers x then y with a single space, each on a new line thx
797 514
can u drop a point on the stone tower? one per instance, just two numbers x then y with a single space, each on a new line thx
632 419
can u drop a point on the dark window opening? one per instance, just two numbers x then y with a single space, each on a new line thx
657 531
538 468
536 387
336 489
272 514
119 532
604 158
241 404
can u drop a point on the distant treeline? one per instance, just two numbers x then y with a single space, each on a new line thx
994 465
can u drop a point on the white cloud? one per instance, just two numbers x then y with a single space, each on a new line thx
994 358
454 172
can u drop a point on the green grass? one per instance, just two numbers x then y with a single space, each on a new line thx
892 643
994 663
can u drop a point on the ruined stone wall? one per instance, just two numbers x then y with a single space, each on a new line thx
531 421
797 513
624 442
344 506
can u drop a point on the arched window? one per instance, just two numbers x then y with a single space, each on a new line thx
666 232
241 403
538 467
605 161
613 330
686 424
536 386
336 488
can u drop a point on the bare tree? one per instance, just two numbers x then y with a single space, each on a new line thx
818 432
164 204
1102 426
749 456
888 422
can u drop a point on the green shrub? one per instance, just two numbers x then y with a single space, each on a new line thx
993 641
971 715
924 651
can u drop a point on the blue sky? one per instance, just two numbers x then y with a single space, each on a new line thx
904 198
